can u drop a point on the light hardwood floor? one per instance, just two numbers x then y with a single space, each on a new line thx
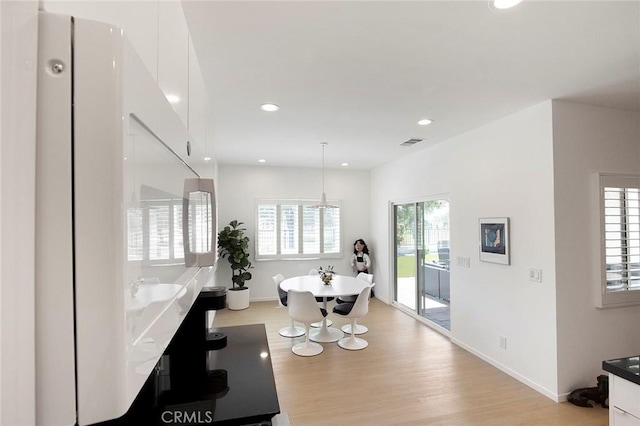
409 375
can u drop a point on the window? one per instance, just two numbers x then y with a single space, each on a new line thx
620 234
293 229
155 232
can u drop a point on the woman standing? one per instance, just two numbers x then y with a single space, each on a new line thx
360 260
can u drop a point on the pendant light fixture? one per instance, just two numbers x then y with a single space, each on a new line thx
323 199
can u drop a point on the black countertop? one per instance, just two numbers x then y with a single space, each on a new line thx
628 368
236 384
231 385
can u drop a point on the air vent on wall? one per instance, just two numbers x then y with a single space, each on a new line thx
411 142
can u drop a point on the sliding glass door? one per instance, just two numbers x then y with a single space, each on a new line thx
422 259
406 265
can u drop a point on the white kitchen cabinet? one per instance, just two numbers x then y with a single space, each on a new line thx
158 31
621 418
173 57
139 20
197 102
138 284
624 402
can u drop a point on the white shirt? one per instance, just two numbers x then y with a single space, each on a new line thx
360 266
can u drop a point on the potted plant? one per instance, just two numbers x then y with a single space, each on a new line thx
234 246
326 275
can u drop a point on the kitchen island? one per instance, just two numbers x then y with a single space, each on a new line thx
624 390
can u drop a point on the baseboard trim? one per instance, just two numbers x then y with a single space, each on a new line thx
551 395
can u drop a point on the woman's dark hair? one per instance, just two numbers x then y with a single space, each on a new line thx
365 249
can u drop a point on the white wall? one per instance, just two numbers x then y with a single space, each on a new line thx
17 211
241 186
588 140
502 169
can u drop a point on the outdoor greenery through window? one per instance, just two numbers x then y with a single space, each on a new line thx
293 229
620 198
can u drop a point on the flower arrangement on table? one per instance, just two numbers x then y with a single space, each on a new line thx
326 275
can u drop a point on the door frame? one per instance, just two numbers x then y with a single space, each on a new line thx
392 254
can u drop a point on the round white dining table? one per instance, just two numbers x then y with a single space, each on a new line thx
341 285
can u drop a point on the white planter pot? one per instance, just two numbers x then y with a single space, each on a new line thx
238 299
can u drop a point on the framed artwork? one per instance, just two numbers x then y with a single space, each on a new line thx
494 240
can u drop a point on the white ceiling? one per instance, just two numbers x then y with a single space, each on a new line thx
360 74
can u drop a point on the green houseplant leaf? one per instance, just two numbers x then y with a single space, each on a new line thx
234 246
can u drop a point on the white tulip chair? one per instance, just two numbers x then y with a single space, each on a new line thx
292 330
303 308
353 311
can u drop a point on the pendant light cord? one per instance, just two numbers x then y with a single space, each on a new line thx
323 198
323 145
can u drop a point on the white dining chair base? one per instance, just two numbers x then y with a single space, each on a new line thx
352 343
319 324
325 335
360 329
291 331
307 349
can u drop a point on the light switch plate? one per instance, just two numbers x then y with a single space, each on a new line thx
463 261
535 275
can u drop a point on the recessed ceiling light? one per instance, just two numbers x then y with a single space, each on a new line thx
269 107
344 164
173 99
425 122
262 160
207 158
504 4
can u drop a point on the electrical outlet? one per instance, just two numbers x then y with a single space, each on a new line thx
535 275
463 261
503 342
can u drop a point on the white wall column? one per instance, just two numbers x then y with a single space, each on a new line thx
17 211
